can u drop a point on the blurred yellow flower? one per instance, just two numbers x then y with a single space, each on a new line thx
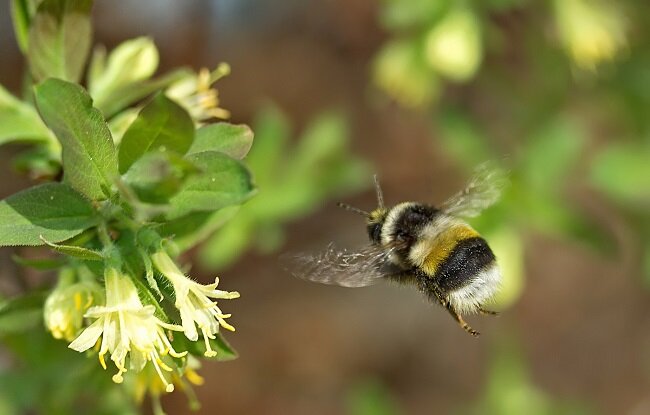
195 93
127 328
453 46
194 302
400 70
590 30
65 307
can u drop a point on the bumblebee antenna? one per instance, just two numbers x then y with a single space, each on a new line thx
380 194
352 209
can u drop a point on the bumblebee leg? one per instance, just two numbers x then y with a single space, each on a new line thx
459 319
488 312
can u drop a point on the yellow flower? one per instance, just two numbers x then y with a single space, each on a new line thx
65 307
453 46
196 95
194 301
591 31
401 70
127 328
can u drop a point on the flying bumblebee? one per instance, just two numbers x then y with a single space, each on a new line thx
430 247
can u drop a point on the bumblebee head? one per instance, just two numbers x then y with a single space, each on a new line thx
375 222
375 219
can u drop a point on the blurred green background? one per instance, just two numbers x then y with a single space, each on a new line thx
418 91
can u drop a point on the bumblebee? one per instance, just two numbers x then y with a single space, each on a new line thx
418 244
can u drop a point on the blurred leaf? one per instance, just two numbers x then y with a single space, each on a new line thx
44 264
157 176
89 158
22 313
504 5
622 171
59 39
162 125
549 156
223 182
131 61
20 121
463 140
408 14
38 163
53 211
189 230
233 140
510 391
272 135
229 242
370 398
22 12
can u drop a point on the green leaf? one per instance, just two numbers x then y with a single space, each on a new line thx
463 139
225 352
233 140
230 242
19 121
75 251
21 313
272 134
60 39
89 159
622 171
158 176
191 229
162 125
21 16
223 182
550 154
370 397
53 210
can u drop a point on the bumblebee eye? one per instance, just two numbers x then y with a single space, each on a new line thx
374 231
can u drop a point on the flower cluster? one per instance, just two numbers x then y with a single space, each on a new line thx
195 93
131 332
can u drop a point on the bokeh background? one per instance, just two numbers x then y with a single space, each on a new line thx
419 92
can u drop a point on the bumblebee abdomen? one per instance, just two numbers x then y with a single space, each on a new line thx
467 259
437 245
454 259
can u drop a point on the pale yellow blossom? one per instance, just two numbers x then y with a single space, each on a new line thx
127 329
195 302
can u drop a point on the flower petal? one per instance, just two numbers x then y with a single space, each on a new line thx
88 337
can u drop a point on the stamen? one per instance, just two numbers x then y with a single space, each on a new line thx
168 386
208 350
117 378
194 377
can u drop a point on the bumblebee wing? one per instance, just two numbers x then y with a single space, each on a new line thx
342 267
481 192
